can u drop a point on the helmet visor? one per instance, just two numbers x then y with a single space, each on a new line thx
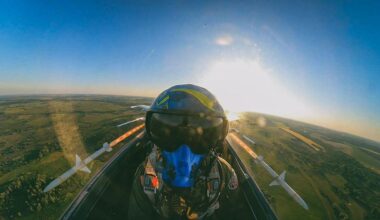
169 131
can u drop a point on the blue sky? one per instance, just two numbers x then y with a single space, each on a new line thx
324 52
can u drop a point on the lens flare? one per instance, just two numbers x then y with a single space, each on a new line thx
245 85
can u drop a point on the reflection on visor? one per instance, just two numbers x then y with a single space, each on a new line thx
200 133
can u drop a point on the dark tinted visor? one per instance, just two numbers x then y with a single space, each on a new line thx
170 131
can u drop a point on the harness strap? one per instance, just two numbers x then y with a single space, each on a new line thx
213 176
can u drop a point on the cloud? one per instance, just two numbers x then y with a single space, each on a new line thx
224 40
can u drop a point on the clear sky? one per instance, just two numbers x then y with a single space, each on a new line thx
317 61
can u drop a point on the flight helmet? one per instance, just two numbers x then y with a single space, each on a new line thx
186 122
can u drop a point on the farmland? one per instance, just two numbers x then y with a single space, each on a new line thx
39 137
340 182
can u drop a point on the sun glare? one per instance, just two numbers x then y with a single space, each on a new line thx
245 85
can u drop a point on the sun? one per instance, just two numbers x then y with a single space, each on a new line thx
245 85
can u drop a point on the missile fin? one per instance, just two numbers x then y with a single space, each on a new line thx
85 169
79 165
78 161
280 178
274 183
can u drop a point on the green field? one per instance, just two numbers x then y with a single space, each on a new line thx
40 135
342 182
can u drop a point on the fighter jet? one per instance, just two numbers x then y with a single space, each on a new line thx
106 194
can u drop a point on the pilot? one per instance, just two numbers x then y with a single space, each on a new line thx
183 177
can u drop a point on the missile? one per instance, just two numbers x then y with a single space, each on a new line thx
248 139
79 165
142 107
82 164
243 145
279 179
244 136
128 122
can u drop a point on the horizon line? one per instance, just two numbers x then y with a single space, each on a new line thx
139 96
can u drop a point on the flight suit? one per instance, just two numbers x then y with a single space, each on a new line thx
213 195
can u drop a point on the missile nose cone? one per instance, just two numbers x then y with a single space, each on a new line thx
300 201
51 185
304 205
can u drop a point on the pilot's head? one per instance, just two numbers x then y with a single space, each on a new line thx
185 122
